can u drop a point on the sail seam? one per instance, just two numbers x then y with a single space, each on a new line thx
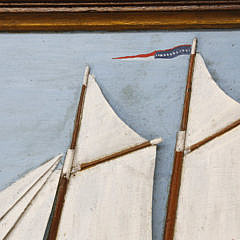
213 136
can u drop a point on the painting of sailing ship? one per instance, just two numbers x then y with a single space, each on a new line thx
107 179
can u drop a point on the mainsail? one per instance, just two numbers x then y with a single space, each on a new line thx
209 201
31 191
105 190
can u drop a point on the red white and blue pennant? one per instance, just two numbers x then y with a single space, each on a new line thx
167 53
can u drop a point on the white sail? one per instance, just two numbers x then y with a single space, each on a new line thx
210 108
13 193
101 129
33 222
209 199
25 191
111 200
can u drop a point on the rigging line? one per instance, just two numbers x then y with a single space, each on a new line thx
84 166
64 178
24 194
29 204
213 136
179 153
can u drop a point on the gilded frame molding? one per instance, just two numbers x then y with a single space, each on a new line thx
78 15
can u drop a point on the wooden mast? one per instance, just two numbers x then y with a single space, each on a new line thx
179 153
66 170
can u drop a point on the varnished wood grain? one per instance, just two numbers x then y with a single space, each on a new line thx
187 93
120 5
62 189
178 158
109 21
78 118
173 196
115 155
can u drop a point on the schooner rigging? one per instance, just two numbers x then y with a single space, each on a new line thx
112 176
105 186
20 217
104 190
204 199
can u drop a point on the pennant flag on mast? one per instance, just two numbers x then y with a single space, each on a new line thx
167 53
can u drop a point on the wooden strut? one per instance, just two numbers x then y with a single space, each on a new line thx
179 154
64 179
213 136
120 153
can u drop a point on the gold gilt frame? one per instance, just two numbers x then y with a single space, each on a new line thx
80 15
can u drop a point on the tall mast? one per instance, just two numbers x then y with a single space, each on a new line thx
179 153
66 170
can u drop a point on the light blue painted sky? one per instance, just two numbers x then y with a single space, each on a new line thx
41 75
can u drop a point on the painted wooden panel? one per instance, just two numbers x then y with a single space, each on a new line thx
41 75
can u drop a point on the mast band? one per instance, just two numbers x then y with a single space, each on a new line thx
180 141
86 74
194 46
68 163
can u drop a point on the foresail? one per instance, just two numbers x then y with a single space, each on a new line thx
13 193
33 222
101 129
209 200
210 108
112 200
29 191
